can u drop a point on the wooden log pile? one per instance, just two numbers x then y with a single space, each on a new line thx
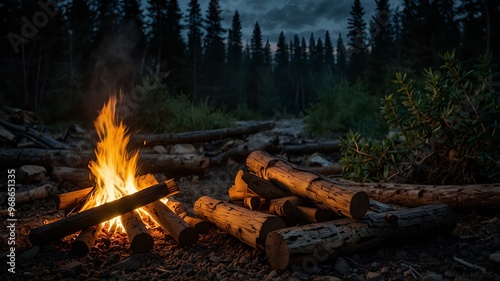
301 218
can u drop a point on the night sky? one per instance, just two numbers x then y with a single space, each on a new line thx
290 16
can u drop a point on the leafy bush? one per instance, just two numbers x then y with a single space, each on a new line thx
164 110
444 131
342 107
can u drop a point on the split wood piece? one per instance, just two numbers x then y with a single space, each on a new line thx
252 203
36 135
175 206
77 176
347 201
90 217
36 193
307 245
139 237
306 215
198 136
259 186
85 240
281 207
478 196
147 162
235 194
69 200
180 230
250 227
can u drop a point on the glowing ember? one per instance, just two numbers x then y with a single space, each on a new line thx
115 168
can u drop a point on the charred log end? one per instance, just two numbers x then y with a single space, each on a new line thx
277 251
360 203
188 236
142 243
272 223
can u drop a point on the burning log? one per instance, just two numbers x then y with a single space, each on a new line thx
180 230
40 192
198 136
66 226
250 227
340 199
85 240
138 235
412 195
309 244
175 206
69 200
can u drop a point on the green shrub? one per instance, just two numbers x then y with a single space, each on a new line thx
162 109
342 107
445 130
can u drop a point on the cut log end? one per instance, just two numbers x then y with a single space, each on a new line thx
277 251
188 236
142 243
359 205
269 225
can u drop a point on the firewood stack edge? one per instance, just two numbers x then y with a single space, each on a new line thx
301 219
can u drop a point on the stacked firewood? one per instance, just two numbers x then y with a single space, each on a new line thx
300 217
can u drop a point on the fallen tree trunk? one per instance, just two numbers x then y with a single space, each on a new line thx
38 136
344 200
308 245
66 226
74 159
413 195
198 136
250 227
308 148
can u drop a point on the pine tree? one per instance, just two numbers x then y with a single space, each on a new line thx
341 59
157 10
174 49
267 54
356 34
214 45
256 45
312 49
329 53
194 35
235 46
282 70
133 25
281 58
320 55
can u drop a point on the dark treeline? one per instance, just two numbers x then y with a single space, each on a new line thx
61 60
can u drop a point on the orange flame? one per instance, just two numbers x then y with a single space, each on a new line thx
115 168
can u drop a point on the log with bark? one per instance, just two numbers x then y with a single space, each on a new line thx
138 235
308 245
74 159
260 141
198 136
308 148
412 195
250 227
76 176
247 185
343 200
69 200
36 193
90 217
85 240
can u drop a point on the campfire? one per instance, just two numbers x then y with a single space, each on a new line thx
119 200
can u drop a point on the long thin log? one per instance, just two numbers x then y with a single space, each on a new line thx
348 201
180 230
250 227
259 186
37 135
308 245
456 196
198 136
40 192
307 148
70 158
66 226
85 240
138 235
